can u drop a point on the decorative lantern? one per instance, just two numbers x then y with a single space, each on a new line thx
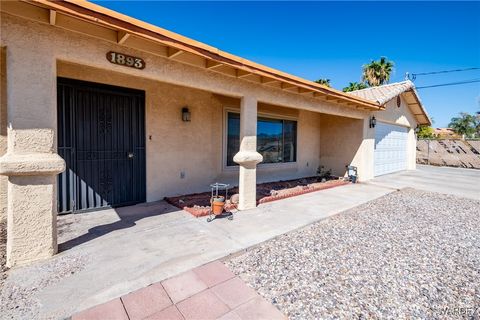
186 115
373 122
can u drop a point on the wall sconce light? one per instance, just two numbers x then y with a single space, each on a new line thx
186 115
373 122
417 129
352 173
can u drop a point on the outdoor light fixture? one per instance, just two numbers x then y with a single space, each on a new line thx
352 173
417 131
373 122
186 115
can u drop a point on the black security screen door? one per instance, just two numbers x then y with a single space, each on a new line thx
101 136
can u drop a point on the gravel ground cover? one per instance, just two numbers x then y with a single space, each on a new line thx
18 293
3 252
410 254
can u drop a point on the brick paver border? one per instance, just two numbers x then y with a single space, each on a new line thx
210 291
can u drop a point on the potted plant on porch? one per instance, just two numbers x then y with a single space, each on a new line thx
218 203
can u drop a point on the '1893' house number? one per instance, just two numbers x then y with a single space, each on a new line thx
125 60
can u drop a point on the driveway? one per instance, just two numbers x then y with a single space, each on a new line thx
457 181
110 253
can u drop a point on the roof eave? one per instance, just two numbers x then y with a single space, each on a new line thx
99 15
428 121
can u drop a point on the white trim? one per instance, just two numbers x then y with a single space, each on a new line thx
394 123
266 166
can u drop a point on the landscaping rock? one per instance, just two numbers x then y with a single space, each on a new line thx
19 296
269 191
410 254
3 251
234 198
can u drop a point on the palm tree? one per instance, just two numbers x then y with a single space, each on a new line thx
378 72
477 125
353 86
464 125
325 82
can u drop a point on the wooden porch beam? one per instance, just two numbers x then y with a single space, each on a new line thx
210 64
53 17
172 52
122 36
286 86
305 91
320 96
265 80
242 73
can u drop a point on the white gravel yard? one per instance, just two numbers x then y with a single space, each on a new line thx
409 254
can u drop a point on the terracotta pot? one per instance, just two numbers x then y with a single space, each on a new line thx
217 207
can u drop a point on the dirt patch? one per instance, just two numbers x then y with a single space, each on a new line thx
198 204
3 252
449 152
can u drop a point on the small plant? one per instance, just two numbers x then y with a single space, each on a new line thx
323 174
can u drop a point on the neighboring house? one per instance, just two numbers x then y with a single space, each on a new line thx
128 112
445 133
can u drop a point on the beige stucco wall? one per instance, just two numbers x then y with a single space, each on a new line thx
174 146
3 131
340 143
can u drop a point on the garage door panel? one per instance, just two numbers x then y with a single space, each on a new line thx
390 153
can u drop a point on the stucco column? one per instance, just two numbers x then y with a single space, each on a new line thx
248 157
3 131
365 171
31 166
31 163
411 150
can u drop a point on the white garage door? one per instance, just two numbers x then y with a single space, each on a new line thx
390 148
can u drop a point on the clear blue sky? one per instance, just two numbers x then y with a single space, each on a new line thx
334 39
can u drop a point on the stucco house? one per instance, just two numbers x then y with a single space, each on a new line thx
99 109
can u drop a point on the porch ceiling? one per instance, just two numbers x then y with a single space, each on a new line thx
99 22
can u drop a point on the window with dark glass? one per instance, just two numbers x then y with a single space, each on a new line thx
276 139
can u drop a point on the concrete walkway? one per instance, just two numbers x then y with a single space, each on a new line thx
114 252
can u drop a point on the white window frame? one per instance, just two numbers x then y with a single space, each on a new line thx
226 110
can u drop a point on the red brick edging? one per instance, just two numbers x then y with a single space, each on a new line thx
304 191
201 212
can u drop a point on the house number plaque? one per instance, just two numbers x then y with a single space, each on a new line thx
125 60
